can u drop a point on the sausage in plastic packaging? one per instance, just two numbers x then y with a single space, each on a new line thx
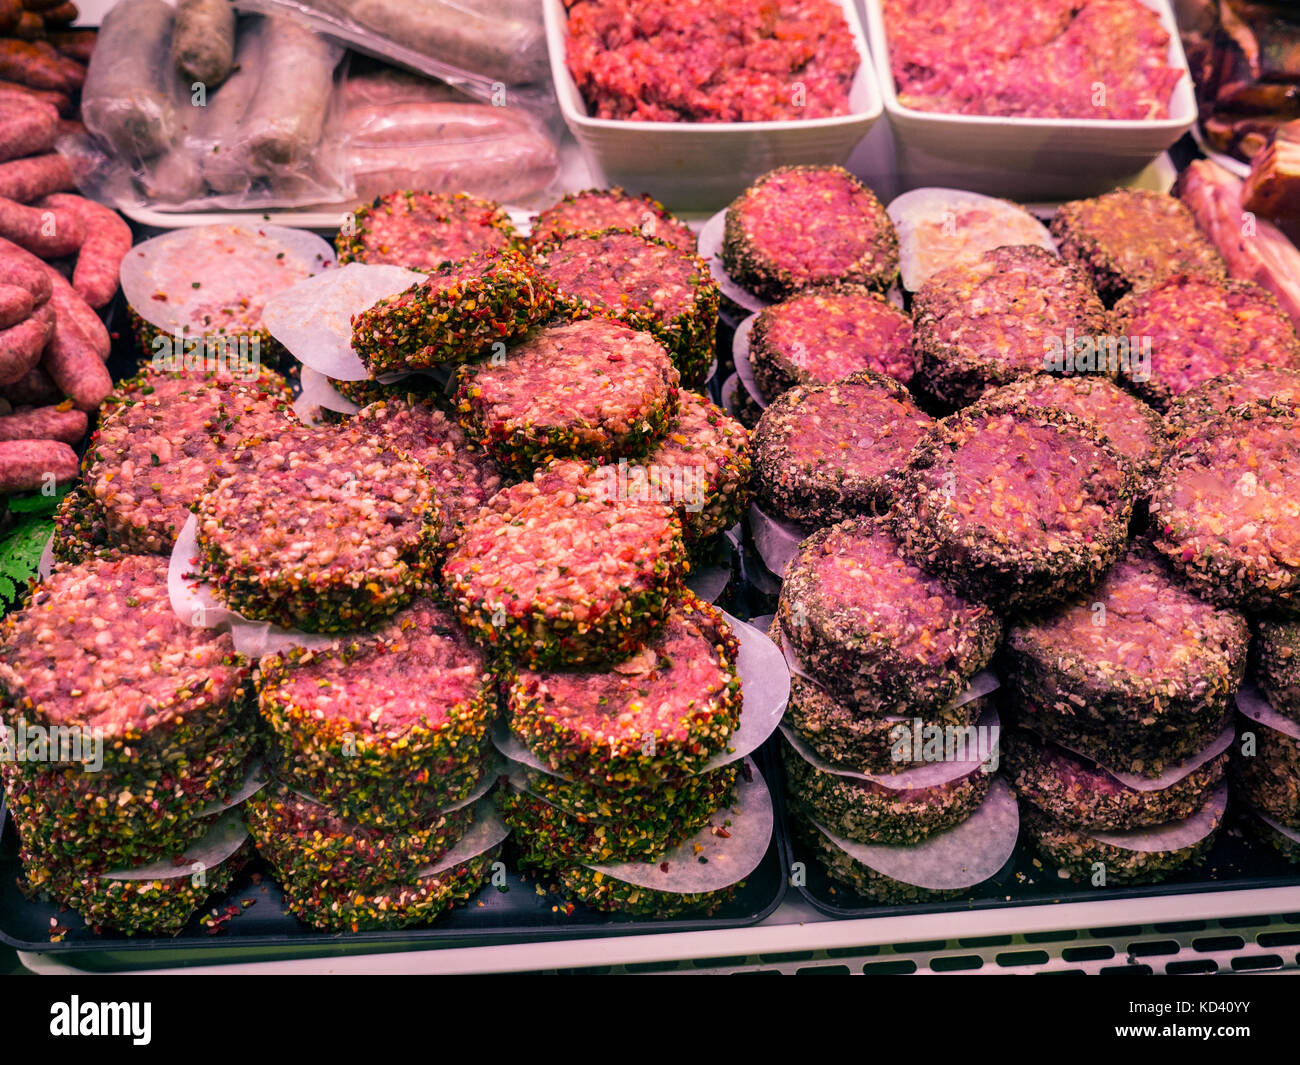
203 43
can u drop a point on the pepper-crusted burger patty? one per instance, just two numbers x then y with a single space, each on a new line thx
1226 509
98 646
663 713
421 230
1133 429
319 529
593 210
827 332
559 570
1199 328
803 225
155 458
1001 317
703 463
459 311
1014 504
823 453
876 630
1200 407
464 476
1277 665
382 716
1137 656
1269 780
642 281
1076 793
592 389
867 812
1131 238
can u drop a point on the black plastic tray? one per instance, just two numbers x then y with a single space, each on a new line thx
1237 862
516 914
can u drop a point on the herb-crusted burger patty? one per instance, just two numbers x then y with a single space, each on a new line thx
1200 328
1138 658
875 629
1135 430
421 230
1014 504
592 389
1201 406
1277 665
600 891
1269 780
99 647
464 476
798 226
381 717
642 281
1076 793
593 210
823 453
1226 509
155 457
319 529
1131 238
558 570
663 713
826 333
691 797
999 318
459 311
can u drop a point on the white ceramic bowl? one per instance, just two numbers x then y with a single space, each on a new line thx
703 166
1036 157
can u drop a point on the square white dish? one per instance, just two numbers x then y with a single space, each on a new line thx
703 166
1060 157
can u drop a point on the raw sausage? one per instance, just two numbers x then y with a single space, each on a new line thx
223 158
47 232
35 388
26 128
107 241
60 101
125 100
72 310
74 43
44 423
284 121
23 62
16 303
25 180
21 345
26 464
15 270
203 43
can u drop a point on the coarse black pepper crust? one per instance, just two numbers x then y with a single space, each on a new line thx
848 328
983 324
1269 780
703 441
545 835
1226 509
306 841
1136 655
382 717
1075 793
332 907
794 205
642 281
662 714
748 409
1284 844
1199 408
457 313
600 891
558 571
862 740
591 389
1015 505
1078 854
847 870
1276 657
132 907
1131 238
876 631
823 453
690 796
325 530
593 210
866 812
71 658
419 230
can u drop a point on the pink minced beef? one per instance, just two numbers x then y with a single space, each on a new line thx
422 229
594 210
